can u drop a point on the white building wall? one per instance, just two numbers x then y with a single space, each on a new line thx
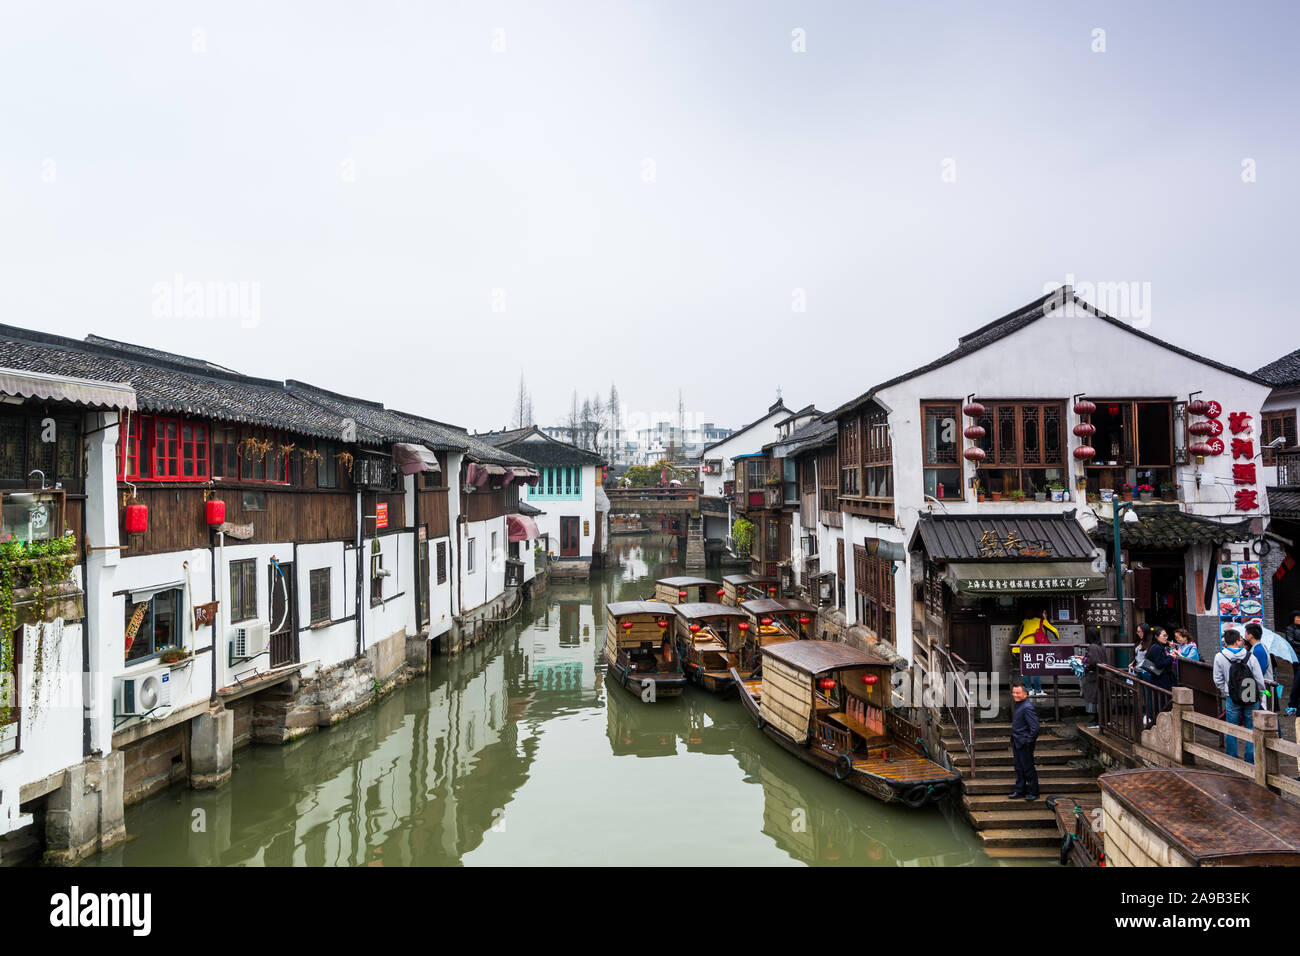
583 508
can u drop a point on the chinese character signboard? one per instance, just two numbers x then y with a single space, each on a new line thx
381 515
205 614
1046 660
1101 612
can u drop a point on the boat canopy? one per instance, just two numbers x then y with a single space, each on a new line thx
815 657
699 611
738 580
777 605
621 608
686 582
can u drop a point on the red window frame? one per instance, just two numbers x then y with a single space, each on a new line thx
128 448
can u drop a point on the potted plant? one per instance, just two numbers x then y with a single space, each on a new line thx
1040 494
1058 490
997 495
979 492
1146 491
1168 491
1105 494
1126 492
1017 495
174 656
1095 498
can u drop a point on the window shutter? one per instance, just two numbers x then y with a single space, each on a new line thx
1180 433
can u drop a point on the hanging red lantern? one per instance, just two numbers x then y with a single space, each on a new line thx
1197 406
1084 407
805 620
974 432
744 626
1084 429
681 595
826 683
766 622
721 592
694 628
1199 428
973 410
1084 452
662 623
772 591
974 453
870 679
627 625
214 510
137 518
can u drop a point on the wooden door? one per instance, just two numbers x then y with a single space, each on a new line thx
969 640
422 582
284 629
570 528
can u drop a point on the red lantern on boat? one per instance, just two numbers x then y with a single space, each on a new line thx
662 623
974 432
766 622
771 591
694 628
1084 407
826 683
870 679
721 592
744 626
805 620
1084 452
974 453
681 595
627 625
973 410
137 518
214 510
1084 429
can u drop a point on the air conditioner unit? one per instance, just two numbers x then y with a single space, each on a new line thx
138 694
250 639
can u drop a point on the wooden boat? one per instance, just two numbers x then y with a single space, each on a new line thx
737 588
772 620
684 590
709 637
831 706
639 651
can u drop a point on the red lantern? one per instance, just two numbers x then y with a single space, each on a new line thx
694 628
1084 429
974 432
1084 452
973 410
627 625
870 679
662 623
744 626
1084 407
681 595
805 620
721 592
766 622
137 519
1200 449
1205 427
771 591
1197 406
214 510
974 453
826 683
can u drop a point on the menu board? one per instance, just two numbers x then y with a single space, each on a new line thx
1238 593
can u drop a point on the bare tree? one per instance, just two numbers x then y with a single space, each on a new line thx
523 409
615 411
575 420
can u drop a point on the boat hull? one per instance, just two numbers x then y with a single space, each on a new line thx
913 793
665 684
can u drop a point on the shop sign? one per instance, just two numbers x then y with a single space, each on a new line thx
1024 585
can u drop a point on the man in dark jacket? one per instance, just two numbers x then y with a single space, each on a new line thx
1024 734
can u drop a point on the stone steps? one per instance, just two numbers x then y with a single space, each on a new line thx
1020 837
1022 852
1035 816
954 745
1045 773
1004 785
994 758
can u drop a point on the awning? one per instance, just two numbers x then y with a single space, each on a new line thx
59 388
521 528
412 459
525 476
478 474
1024 577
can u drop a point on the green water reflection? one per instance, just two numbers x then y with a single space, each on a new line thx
514 753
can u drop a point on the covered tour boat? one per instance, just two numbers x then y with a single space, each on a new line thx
709 637
639 651
684 590
737 588
831 706
771 621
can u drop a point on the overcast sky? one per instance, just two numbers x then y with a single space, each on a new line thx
423 200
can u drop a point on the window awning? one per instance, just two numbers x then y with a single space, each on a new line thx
478 474
412 459
521 528
59 388
525 476
1024 577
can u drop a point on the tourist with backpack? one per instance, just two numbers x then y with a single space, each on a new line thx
1241 682
1034 629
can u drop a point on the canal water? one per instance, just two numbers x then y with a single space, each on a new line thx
516 753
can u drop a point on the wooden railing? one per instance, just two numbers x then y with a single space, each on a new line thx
951 671
1124 702
284 649
1268 747
833 738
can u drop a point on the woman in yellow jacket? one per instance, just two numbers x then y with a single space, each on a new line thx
1035 630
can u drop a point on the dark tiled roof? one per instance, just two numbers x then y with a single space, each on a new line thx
958 537
538 448
1282 373
524 508
1284 503
1166 527
1015 321
812 434
165 385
